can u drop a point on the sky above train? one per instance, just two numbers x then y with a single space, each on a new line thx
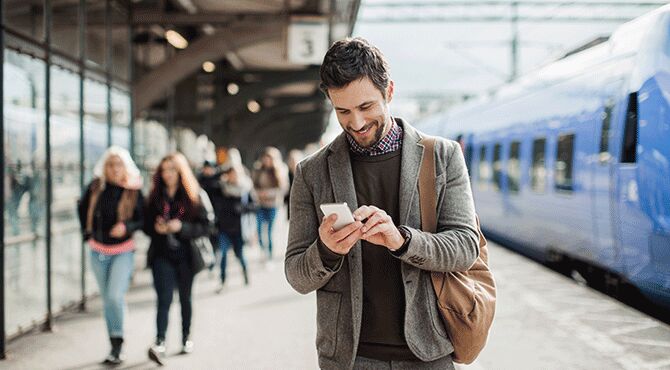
452 58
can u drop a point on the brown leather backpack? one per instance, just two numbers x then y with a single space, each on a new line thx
466 300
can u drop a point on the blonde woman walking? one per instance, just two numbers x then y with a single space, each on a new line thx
110 212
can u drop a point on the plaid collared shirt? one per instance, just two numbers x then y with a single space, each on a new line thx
388 144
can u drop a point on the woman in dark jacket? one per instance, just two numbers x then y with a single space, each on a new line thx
109 212
175 214
234 202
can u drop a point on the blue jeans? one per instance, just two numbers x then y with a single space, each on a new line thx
266 215
113 276
168 274
225 241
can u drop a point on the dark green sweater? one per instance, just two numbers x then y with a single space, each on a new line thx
377 181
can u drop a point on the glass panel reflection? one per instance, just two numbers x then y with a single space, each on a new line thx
95 125
25 266
120 118
66 237
25 16
64 26
96 35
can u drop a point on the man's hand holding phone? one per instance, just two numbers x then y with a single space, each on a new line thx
378 228
343 239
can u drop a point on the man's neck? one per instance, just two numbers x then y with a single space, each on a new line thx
390 121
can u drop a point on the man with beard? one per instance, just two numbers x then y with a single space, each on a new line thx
376 307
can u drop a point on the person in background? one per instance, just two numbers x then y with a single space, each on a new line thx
109 213
175 215
210 181
270 181
235 201
294 156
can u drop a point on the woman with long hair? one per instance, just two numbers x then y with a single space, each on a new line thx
270 181
175 214
109 212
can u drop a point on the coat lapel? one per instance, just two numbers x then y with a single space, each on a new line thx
412 154
341 176
342 182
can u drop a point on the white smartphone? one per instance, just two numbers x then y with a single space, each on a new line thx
344 215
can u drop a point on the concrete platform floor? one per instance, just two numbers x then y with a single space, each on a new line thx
544 321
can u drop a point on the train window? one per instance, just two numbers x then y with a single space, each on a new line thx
484 174
538 172
468 157
497 167
604 134
629 147
563 166
514 167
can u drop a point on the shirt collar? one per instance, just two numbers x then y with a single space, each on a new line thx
391 142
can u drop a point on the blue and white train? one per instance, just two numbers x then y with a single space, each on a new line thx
572 162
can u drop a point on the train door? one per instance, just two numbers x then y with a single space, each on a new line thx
604 178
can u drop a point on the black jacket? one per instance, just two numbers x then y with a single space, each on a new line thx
105 214
193 226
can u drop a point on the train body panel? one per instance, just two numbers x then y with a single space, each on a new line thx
575 158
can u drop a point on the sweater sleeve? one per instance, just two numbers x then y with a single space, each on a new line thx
137 221
149 216
303 263
202 224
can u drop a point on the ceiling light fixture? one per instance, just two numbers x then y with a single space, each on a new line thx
175 39
233 88
208 66
253 106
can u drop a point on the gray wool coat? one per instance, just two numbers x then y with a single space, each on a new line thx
326 177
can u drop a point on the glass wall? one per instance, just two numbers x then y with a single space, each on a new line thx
65 26
95 125
106 59
25 17
96 35
151 144
120 118
65 159
24 130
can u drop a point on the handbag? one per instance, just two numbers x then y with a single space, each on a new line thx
466 300
201 253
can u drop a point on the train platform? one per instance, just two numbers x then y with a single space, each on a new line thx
544 321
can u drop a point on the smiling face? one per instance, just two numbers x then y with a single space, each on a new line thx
362 110
169 173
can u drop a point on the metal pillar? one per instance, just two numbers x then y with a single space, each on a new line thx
2 186
48 324
82 155
131 74
108 67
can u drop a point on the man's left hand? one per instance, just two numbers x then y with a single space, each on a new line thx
379 228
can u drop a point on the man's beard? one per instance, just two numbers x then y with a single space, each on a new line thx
377 136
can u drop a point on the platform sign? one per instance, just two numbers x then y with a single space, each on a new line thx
307 40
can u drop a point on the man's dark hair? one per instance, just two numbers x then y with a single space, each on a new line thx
349 60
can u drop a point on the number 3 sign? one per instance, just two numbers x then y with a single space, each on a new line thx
307 40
